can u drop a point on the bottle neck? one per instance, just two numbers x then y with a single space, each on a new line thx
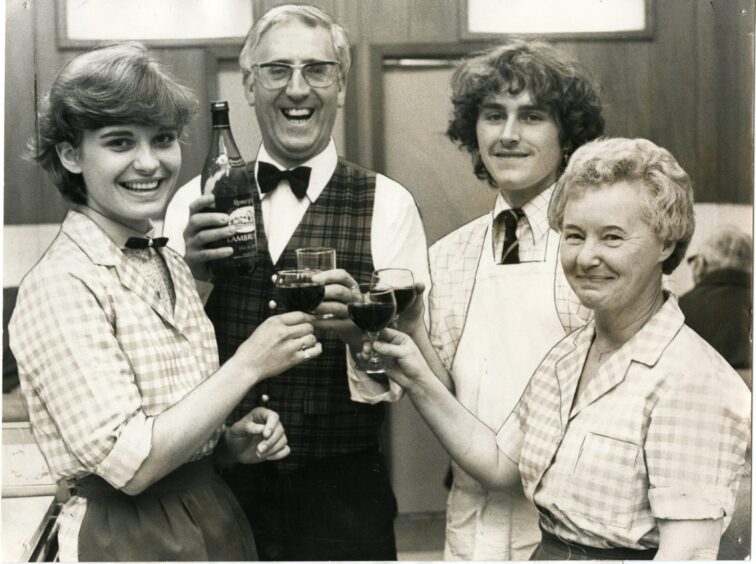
220 120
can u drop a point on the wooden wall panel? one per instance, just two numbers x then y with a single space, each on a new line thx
433 20
707 149
386 21
190 65
22 179
733 100
672 83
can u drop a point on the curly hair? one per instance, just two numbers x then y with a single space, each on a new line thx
117 83
665 189
554 82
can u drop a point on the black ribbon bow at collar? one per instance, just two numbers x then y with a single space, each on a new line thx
146 242
268 177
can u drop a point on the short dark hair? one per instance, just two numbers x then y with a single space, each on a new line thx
556 83
117 83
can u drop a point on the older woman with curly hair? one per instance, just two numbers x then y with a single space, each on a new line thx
499 301
631 435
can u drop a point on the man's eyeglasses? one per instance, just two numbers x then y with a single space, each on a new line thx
318 74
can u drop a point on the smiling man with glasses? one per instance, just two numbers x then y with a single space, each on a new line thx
331 498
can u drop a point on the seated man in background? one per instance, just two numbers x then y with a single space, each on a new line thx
719 306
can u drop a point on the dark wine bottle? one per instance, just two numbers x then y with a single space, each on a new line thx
225 175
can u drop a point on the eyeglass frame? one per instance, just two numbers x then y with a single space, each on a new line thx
299 67
692 258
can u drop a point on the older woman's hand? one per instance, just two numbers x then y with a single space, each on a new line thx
257 437
411 369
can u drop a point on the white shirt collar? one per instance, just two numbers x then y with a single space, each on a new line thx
323 166
536 211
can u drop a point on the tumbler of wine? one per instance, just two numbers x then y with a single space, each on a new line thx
371 308
297 291
403 284
316 258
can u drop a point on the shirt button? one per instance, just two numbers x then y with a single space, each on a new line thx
273 278
265 398
272 304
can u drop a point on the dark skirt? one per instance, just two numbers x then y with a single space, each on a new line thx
552 547
190 514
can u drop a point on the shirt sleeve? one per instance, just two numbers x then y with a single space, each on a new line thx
397 241
364 389
695 448
66 348
511 434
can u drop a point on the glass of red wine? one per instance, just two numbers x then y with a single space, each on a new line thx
371 308
403 284
297 290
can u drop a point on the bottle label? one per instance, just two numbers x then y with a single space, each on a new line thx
241 214
243 218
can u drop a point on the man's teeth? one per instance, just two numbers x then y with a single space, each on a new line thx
297 113
138 186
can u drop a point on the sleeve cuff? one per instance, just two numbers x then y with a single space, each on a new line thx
131 449
510 438
691 501
363 389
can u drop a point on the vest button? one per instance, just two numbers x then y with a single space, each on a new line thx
273 278
265 398
272 304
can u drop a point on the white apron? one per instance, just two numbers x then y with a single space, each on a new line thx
511 324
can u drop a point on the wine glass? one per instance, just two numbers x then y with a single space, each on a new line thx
297 290
317 258
372 307
403 284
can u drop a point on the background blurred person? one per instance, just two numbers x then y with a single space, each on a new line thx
631 435
499 299
720 306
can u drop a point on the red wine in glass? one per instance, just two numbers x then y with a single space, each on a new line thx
297 291
403 284
405 297
371 317
372 308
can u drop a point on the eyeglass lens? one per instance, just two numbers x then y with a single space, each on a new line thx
317 74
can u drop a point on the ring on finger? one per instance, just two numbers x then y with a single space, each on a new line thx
307 354
303 345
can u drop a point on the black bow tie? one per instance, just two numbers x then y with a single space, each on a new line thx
145 242
268 177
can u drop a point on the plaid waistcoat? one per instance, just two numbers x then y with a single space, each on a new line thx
312 399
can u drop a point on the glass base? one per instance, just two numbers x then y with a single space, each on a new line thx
378 375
